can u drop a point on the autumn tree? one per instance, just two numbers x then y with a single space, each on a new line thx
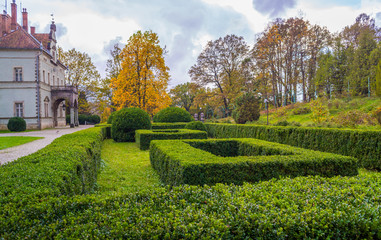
183 95
219 64
144 77
82 74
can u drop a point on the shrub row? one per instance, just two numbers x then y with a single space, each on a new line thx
364 145
68 166
144 137
172 114
106 128
178 125
85 119
198 162
300 208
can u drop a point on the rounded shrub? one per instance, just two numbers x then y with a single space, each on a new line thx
196 125
126 121
16 124
172 114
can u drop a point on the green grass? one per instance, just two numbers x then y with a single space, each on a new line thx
126 169
31 130
7 142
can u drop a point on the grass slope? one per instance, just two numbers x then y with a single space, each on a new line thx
126 169
7 142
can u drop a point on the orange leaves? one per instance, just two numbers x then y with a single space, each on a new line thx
144 77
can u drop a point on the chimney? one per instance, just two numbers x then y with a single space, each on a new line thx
25 19
14 15
32 30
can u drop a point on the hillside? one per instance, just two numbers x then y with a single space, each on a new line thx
342 113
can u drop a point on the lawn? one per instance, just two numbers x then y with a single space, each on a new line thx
125 169
7 142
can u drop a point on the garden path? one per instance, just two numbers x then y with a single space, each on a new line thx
13 153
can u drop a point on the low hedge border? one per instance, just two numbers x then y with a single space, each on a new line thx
144 137
68 166
178 125
364 145
195 162
311 207
106 127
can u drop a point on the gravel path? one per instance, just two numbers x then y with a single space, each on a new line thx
13 153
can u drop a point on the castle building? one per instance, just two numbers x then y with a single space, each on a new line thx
32 78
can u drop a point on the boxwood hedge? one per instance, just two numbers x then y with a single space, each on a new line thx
68 166
364 145
178 125
144 137
198 162
299 208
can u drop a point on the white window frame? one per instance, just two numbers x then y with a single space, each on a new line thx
18 74
19 109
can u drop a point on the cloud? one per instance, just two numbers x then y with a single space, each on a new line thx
108 46
273 7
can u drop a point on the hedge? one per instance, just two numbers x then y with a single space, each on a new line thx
178 125
68 166
172 114
199 162
299 208
144 137
364 145
107 129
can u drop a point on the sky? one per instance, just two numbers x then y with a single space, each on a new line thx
183 26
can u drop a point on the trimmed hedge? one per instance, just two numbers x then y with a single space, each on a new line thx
126 121
300 208
198 162
364 145
177 125
196 125
68 166
144 137
107 129
172 114
16 124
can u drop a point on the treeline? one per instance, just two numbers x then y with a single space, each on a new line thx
291 59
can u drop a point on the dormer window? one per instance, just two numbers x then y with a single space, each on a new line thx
18 74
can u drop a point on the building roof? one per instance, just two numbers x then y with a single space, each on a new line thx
42 38
19 39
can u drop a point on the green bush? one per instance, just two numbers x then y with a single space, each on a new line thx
247 108
290 208
16 124
286 123
172 115
107 129
88 119
68 166
199 162
364 145
178 125
196 125
144 137
126 121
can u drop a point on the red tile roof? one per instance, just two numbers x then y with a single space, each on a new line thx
19 39
43 38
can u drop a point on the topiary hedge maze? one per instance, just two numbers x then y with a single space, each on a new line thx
199 162
176 125
364 145
144 137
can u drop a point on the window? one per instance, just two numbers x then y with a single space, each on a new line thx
46 105
54 80
49 78
18 74
58 81
19 110
43 76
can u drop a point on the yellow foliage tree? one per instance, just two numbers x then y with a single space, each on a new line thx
143 79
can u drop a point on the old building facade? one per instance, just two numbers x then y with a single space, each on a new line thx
32 79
